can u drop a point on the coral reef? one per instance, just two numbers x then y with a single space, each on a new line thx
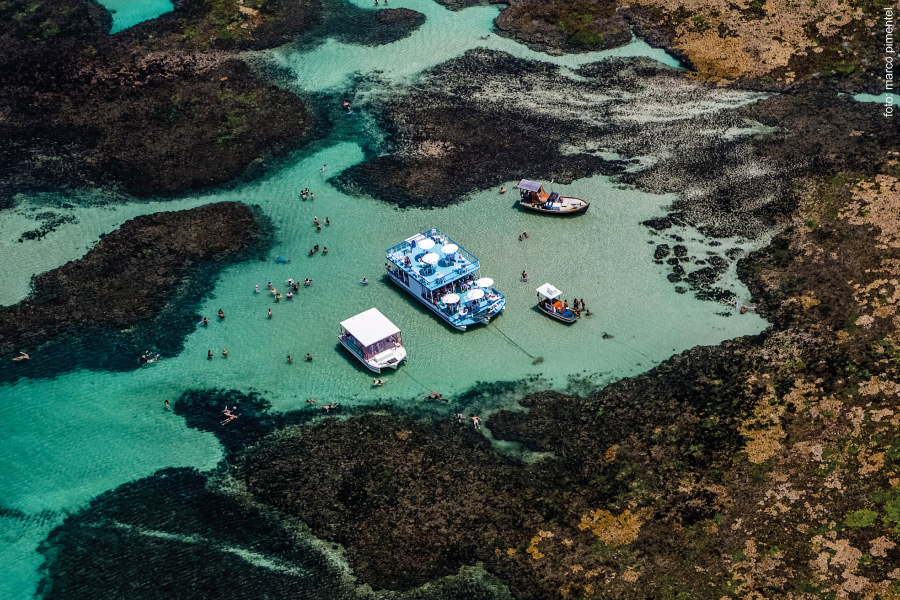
137 288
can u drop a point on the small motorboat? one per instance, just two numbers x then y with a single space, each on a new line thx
533 197
552 307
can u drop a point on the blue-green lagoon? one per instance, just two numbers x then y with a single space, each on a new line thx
70 438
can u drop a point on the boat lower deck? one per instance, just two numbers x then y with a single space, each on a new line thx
463 314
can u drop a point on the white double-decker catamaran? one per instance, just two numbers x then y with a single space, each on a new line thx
374 340
445 278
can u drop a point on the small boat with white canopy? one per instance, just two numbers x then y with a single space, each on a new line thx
550 305
373 339
533 197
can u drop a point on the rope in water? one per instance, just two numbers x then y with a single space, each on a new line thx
424 387
530 355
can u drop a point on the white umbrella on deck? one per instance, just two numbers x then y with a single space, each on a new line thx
484 282
449 248
426 244
450 299
431 258
475 294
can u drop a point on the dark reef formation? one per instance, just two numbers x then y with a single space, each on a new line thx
409 502
776 45
486 118
136 289
564 27
166 106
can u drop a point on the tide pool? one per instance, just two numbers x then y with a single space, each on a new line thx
881 98
73 437
445 35
128 13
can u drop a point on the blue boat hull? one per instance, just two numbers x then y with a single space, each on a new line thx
460 324
566 317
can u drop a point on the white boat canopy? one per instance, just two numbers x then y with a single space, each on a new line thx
450 299
475 294
449 248
431 258
548 291
369 327
426 244
484 282
529 186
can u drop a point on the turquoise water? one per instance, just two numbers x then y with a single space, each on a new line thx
445 35
70 438
881 98
128 13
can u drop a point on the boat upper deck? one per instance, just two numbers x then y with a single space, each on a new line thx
451 262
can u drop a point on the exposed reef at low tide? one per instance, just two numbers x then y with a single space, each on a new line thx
166 106
137 288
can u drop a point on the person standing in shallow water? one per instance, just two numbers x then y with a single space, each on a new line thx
167 405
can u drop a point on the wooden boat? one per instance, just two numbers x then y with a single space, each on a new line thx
533 197
553 308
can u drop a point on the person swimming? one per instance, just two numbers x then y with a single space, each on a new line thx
205 321
324 250
290 295
308 357
290 359
209 354
225 353
221 314
21 356
270 313
364 281
327 221
256 289
307 282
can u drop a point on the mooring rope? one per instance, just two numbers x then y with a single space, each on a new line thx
530 355
424 387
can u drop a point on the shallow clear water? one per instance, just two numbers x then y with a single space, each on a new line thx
881 98
128 13
70 438
445 35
